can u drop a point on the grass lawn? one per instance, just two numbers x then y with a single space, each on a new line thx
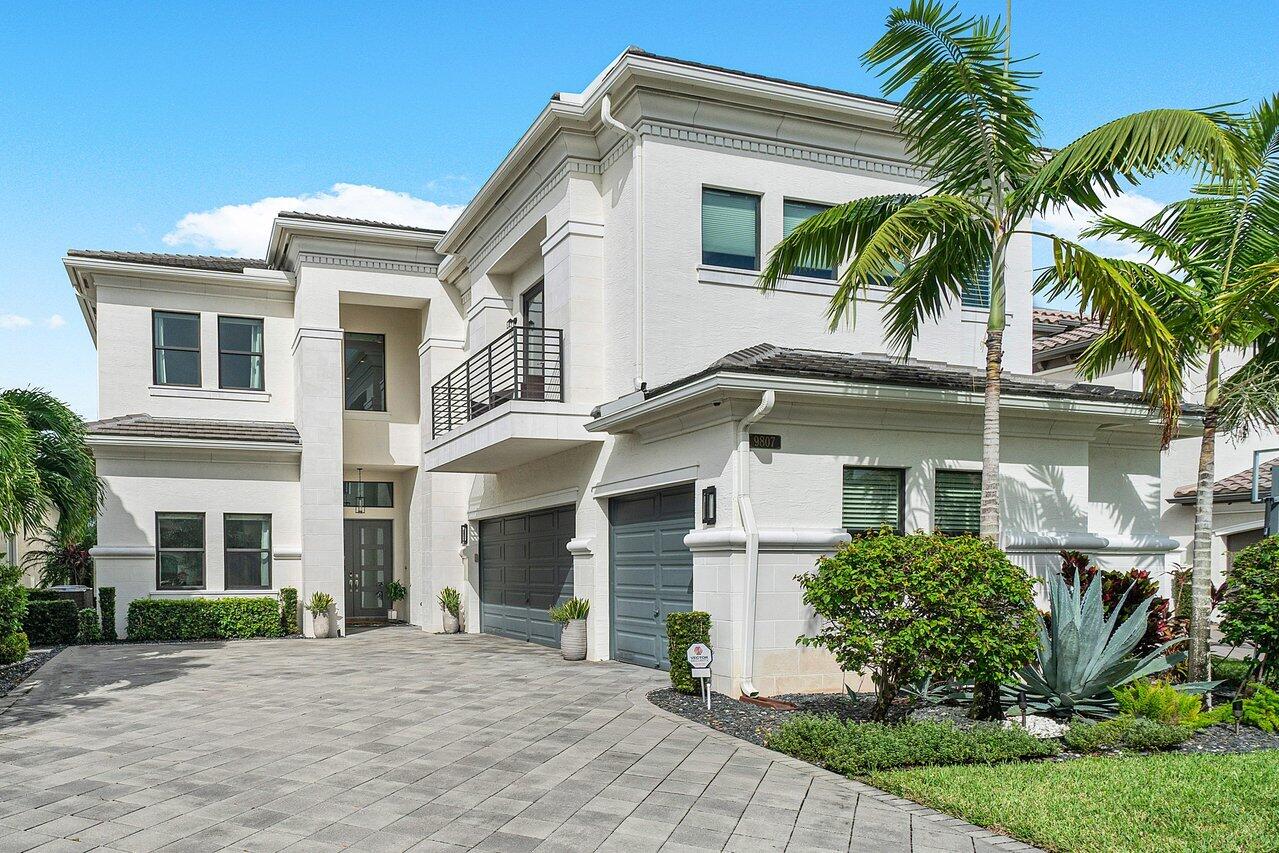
1157 803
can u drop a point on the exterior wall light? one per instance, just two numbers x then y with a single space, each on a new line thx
708 506
466 533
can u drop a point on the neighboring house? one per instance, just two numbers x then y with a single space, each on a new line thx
578 389
1060 337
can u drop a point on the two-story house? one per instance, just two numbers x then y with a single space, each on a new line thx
578 389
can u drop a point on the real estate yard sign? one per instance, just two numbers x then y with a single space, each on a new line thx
699 661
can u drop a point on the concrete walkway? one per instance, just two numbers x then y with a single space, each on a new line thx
396 740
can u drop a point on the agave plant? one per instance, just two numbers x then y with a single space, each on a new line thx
1084 655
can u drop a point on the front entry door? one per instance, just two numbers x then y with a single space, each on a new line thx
368 566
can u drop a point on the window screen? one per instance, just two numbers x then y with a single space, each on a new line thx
730 229
957 502
873 499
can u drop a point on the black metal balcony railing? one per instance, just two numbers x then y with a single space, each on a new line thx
522 364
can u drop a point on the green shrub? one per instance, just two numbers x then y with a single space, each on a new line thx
683 629
106 604
1260 710
1158 701
394 591
13 648
13 599
289 610
574 608
44 595
854 749
1126 732
159 620
906 607
1251 602
320 603
51 622
90 627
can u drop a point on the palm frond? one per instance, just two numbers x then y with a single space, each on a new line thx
1249 399
931 283
22 503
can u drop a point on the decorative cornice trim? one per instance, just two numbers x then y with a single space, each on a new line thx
483 302
546 501
1025 542
785 539
579 547
352 262
645 482
572 228
316 333
121 552
439 343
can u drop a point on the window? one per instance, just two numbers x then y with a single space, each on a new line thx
795 212
730 229
976 294
365 357
375 494
873 499
247 551
175 339
957 502
240 353
179 550
532 306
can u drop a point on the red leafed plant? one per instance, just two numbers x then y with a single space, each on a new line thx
1125 590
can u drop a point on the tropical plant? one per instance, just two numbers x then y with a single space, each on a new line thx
1125 591
45 465
574 608
1210 287
1126 732
319 604
1159 701
1260 710
1084 655
1251 604
1183 605
451 600
907 607
62 556
926 692
967 122
13 610
394 591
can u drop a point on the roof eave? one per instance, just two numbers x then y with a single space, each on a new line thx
284 228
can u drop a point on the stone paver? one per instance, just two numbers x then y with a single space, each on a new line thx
395 740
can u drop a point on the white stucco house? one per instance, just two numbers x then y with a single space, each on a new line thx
578 389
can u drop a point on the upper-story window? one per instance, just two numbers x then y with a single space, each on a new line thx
795 212
175 340
240 353
976 294
730 229
533 306
365 357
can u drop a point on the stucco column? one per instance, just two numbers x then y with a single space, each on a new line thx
573 261
487 314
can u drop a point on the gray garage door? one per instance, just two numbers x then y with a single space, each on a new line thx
525 567
652 570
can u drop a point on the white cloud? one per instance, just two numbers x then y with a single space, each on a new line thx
1068 221
14 321
244 229
55 321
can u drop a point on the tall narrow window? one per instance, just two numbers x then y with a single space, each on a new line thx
247 551
795 212
179 550
365 356
873 499
976 294
240 353
957 502
533 307
730 229
175 340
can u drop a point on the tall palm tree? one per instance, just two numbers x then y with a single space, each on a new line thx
45 465
968 123
1212 282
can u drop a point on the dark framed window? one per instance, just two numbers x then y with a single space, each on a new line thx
533 306
365 358
175 343
375 494
246 550
957 502
874 498
795 212
179 550
730 229
240 353
976 294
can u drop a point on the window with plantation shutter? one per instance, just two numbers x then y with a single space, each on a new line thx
730 229
976 294
957 502
795 212
873 499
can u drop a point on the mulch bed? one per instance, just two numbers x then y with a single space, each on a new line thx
15 673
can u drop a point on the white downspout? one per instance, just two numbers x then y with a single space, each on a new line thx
637 160
765 406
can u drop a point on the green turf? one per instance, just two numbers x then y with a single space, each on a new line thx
1157 803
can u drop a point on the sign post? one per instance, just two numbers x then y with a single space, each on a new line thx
699 661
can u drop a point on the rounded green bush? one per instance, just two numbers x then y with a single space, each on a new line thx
13 648
1251 603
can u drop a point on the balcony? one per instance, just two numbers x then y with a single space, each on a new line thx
505 406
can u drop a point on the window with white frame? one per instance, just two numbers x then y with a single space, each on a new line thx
957 502
730 229
874 498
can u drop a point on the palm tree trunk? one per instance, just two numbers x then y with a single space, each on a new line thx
994 367
1201 559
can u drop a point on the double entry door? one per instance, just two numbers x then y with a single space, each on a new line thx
368 565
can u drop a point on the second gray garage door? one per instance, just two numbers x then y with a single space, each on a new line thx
525 567
652 570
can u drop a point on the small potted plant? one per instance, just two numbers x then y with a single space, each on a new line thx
451 604
571 616
393 591
319 606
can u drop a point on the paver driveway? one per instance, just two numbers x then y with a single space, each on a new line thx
397 740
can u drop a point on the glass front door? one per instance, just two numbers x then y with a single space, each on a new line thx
368 566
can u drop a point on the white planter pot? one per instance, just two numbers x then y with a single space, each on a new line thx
391 615
451 625
321 625
573 640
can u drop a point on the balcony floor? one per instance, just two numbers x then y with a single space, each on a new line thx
511 434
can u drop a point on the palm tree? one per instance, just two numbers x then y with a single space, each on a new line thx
968 123
45 465
1212 282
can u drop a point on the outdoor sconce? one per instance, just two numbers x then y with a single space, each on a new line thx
359 491
708 506
466 533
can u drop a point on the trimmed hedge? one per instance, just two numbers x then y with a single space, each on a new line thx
44 595
51 622
90 627
289 610
13 648
682 630
106 605
158 619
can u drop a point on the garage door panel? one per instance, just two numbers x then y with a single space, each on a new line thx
525 568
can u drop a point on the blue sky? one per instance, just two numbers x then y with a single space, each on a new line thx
122 118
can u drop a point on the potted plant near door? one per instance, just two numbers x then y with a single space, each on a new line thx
393 591
451 604
571 617
319 606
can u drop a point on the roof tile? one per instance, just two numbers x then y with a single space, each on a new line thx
146 426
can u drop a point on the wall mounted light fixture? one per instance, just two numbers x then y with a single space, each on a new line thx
708 506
